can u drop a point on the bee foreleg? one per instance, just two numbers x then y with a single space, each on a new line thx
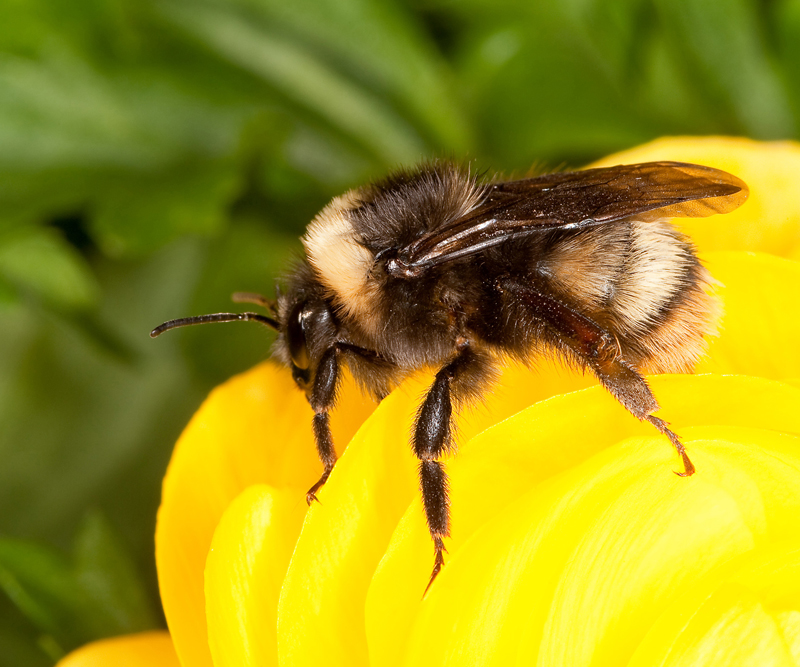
432 438
322 398
599 350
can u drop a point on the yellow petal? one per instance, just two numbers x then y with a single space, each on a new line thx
546 442
147 649
745 613
731 629
253 429
761 319
519 388
244 573
770 219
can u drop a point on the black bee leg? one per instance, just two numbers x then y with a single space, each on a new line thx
432 438
322 398
598 349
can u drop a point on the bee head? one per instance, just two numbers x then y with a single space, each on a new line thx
301 316
306 332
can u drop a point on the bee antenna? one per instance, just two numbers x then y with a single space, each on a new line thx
216 317
250 297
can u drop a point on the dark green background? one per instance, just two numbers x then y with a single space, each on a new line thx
157 155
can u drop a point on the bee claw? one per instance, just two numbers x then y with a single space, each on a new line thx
436 569
311 494
437 563
688 467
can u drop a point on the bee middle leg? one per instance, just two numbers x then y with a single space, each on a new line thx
598 349
433 437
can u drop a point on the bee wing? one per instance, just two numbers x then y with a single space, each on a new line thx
575 200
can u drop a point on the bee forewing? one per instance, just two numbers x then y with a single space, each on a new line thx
713 191
576 200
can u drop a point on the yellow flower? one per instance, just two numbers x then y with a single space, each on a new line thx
572 543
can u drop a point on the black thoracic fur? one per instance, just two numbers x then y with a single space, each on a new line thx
516 298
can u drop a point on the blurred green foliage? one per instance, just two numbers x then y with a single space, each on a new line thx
157 155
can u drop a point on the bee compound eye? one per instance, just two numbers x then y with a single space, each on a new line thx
296 336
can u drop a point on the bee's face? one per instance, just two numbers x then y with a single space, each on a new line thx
307 332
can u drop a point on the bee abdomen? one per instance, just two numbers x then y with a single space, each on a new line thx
663 306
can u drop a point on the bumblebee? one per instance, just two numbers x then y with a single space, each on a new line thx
438 268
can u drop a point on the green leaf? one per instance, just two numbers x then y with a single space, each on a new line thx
19 640
95 594
105 572
8 295
725 53
40 583
60 111
787 28
131 144
77 427
383 46
137 214
88 25
41 262
675 104
304 78
564 94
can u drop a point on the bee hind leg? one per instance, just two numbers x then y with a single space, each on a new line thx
661 425
599 350
632 390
